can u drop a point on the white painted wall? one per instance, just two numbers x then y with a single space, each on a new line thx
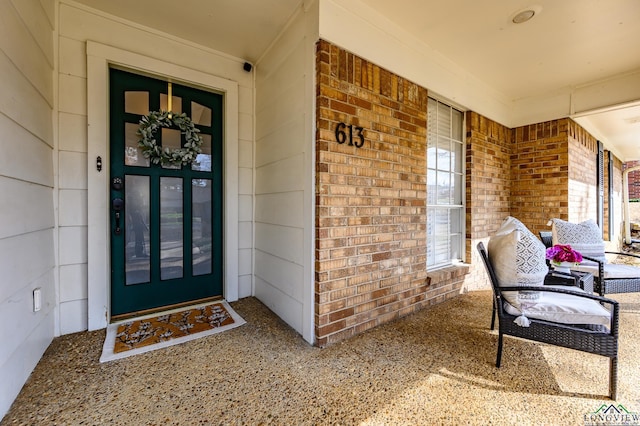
284 164
82 192
27 257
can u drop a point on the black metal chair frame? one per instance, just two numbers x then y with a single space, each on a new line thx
595 339
604 286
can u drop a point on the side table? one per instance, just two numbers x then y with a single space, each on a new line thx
584 280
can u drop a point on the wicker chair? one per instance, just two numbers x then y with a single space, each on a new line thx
610 284
595 339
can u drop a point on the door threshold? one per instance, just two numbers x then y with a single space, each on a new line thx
120 317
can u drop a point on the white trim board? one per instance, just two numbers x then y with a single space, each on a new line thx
99 58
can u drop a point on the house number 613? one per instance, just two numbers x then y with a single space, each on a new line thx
345 133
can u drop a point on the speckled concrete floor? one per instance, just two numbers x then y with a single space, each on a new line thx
433 367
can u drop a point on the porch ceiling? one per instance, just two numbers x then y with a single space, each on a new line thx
567 44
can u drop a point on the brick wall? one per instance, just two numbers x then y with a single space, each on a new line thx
370 201
488 187
524 172
634 180
583 152
488 179
540 174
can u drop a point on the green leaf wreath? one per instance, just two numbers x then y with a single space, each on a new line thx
149 125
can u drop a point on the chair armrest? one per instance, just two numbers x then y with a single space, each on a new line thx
622 254
600 277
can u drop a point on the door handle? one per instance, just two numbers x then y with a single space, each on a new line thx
117 204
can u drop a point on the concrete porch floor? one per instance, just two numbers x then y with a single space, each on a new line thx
433 367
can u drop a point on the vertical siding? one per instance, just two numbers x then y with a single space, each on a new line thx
283 167
26 184
72 185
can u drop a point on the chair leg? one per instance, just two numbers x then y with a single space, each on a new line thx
613 378
493 315
499 356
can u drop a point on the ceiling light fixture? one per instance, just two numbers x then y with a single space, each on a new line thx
523 16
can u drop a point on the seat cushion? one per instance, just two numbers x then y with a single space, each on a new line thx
563 308
517 256
584 237
611 270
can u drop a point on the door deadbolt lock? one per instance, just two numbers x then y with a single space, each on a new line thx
117 183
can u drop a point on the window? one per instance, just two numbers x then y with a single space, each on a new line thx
445 184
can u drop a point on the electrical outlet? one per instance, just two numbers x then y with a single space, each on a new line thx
37 299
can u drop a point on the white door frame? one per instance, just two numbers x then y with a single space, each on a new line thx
99 58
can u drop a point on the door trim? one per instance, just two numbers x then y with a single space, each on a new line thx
99 58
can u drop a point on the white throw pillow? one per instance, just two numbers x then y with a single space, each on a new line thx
584 237
564 308
517 256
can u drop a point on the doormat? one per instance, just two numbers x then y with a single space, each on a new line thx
155 331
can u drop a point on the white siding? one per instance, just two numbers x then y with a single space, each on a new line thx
285 101
27 256
78 182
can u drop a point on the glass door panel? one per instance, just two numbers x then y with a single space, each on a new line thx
176 103
171 226
137 249
200 114
201 226
136 102
133 153
172 140
203 160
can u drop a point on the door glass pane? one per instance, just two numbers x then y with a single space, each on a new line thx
132 152
201 226
171 244
200 114
203 160
136 102
176 103
171 138
137 266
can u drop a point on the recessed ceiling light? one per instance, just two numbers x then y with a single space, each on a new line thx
523 16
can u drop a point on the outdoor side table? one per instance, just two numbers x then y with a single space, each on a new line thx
584 280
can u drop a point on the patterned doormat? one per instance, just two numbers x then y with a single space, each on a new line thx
151 332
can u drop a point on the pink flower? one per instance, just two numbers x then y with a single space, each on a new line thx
563 253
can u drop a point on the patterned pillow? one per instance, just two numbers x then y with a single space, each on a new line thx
517 256
584 237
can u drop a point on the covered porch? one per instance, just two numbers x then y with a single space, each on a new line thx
432 367
337 184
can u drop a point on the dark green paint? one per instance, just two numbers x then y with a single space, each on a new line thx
158 293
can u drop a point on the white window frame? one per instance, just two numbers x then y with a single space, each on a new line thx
444 206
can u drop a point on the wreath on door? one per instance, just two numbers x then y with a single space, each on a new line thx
148 127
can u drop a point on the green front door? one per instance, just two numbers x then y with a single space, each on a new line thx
166 221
